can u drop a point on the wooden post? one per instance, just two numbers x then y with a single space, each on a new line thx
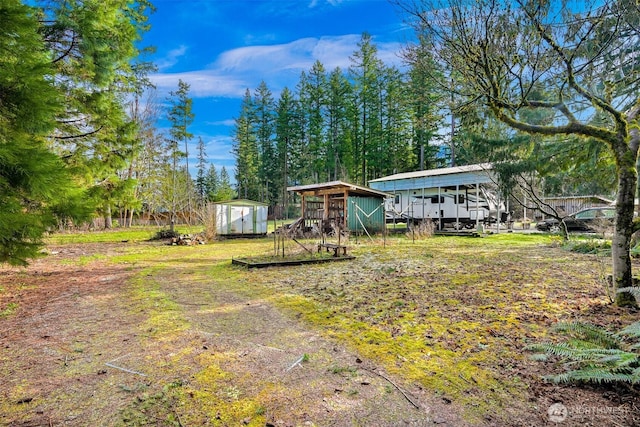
303 210
345 196
325 214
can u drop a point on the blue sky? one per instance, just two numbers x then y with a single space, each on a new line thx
222 47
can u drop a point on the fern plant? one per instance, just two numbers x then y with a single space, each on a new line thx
593 354
633 290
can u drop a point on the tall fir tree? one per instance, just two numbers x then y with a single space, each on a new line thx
265 131
287 138
425 99
201 177
93 47
312 93
37 189
366 69
180 116
245 150
340 137
225 190
211 184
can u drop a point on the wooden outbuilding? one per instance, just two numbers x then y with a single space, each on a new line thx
341 204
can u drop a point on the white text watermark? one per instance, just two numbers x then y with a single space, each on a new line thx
559 412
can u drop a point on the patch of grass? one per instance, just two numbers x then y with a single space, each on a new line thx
214 395
343 370
154 408
85 259
164 317
132 234
589 246
209 394
8 310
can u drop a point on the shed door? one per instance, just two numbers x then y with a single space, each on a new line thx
237 220
261 219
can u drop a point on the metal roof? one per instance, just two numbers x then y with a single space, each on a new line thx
460 176
436 172
311 189
241 202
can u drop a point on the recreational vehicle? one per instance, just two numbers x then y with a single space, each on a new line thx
458 197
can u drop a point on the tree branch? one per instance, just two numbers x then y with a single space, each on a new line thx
80 135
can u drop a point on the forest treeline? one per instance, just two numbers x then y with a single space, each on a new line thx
368 121
374 120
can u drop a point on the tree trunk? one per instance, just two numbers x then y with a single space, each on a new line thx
621 242
107 216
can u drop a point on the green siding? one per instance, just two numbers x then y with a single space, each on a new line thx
367 211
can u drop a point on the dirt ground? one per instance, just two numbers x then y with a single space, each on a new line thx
77 349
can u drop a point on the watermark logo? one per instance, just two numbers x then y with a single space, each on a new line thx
557 413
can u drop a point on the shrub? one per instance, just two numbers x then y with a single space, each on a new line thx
165 234
590 246
422 230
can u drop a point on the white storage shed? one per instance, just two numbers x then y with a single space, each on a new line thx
241 218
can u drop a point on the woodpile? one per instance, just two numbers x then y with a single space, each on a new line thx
188 240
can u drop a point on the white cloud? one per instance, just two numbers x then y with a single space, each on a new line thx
314 3
202 84
299 55
279 65
268 58
227 122
171 58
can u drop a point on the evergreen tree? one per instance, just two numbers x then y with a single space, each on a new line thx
211 184
93 46
201 177
36 188
301 146
424 99
287 136
312 94
340 138
265 131
225 190
366 70
245 150
180 116
395 151
353 126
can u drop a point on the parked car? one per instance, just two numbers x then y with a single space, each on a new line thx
588 220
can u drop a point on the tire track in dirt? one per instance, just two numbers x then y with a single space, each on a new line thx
69 321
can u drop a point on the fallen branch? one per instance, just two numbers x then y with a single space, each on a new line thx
267 347
111 365
297 362
404 393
